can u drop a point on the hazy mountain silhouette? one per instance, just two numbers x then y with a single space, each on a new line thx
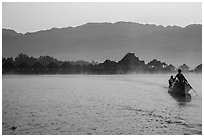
184 68
198 69
99 41
131 63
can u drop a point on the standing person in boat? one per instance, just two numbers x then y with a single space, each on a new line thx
171 81
180 77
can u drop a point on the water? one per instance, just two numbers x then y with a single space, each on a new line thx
98 104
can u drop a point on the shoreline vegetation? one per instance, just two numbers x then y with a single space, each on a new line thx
24 64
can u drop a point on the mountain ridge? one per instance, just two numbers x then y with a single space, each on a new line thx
95 41
70 27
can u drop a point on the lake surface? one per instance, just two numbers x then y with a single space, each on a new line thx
98 104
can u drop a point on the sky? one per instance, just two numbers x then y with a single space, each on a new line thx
30 17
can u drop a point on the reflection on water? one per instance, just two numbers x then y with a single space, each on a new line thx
116 104
182 100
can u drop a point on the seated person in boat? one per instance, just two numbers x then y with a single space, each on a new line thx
180 77
171 81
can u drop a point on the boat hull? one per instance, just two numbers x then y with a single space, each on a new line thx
180 89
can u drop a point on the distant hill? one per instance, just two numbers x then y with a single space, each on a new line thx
184 68
99 41
198 69
131 63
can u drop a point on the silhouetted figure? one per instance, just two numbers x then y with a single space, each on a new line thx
171 81
180 77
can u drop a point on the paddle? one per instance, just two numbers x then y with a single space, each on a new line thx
194 91
191 88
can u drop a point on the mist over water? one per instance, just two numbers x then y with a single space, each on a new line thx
98 104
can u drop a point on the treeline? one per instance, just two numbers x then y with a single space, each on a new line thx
24 64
